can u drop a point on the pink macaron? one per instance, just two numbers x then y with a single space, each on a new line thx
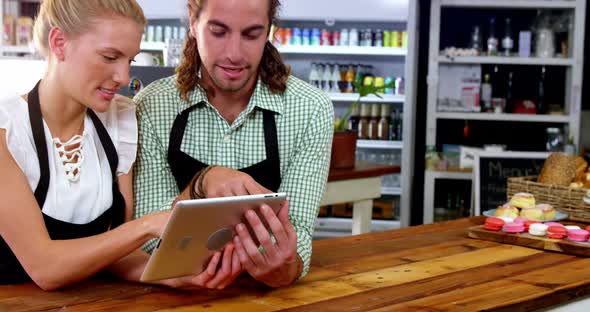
514 227
553 224
578 235
521 220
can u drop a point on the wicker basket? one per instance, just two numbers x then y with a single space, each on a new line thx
565 199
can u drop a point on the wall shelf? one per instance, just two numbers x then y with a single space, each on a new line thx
394 191
505 60
343 50
351 97
29 49
503 117
513 4
379 144
152 46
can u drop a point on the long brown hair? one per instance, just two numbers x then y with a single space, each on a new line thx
273 71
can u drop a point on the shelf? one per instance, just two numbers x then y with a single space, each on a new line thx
512 4
152 46
351 97
343 50
504 60
451 175
395 191
504 117
335 227
379 144
18 49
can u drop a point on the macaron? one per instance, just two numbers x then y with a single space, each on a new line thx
553 224
572 227
556 232
538 229
506 219
521 220
578 235
527 224
493 224
513 227
588 228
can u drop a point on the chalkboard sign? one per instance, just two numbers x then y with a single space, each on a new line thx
492 170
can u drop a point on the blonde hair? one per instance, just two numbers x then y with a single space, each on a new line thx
74 17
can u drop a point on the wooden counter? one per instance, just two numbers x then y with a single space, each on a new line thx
426 268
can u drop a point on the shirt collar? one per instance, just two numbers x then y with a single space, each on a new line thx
261 98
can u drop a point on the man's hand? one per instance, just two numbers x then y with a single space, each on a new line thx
212 278
222 182
279 264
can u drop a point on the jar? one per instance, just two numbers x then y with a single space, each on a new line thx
555 140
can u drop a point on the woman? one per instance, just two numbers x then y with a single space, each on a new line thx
66 154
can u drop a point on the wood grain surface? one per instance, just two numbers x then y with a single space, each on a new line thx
425 268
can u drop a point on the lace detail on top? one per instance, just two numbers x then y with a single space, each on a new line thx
70 154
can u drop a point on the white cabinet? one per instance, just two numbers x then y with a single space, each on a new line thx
570 63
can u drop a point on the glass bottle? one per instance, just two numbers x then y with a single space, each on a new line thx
349 78
541 102
336 78
509 94
492 40
555 140
486 94
327 79
476 40
400 126
320 71
374 122
508 42
363 126
313 75
394 126
353 121
384 121
358 78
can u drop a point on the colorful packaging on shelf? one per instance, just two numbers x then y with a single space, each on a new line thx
24 31
8 30
296 36
306 36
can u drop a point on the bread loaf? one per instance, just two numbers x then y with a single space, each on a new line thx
581 166
558 169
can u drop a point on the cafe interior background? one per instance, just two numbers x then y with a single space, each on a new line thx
470 92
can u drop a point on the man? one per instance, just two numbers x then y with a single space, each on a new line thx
233 104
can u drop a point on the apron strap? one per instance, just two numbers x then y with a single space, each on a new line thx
118 211
271 141
36 120
107 143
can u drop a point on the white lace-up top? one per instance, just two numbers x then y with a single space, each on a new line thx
80 184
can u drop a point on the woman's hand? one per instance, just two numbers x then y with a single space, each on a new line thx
155 223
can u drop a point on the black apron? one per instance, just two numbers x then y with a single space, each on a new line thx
267 172
11 271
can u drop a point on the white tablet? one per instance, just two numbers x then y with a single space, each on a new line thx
197 228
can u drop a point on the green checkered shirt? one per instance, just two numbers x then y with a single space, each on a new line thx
304 118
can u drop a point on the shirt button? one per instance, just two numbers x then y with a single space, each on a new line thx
226 138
